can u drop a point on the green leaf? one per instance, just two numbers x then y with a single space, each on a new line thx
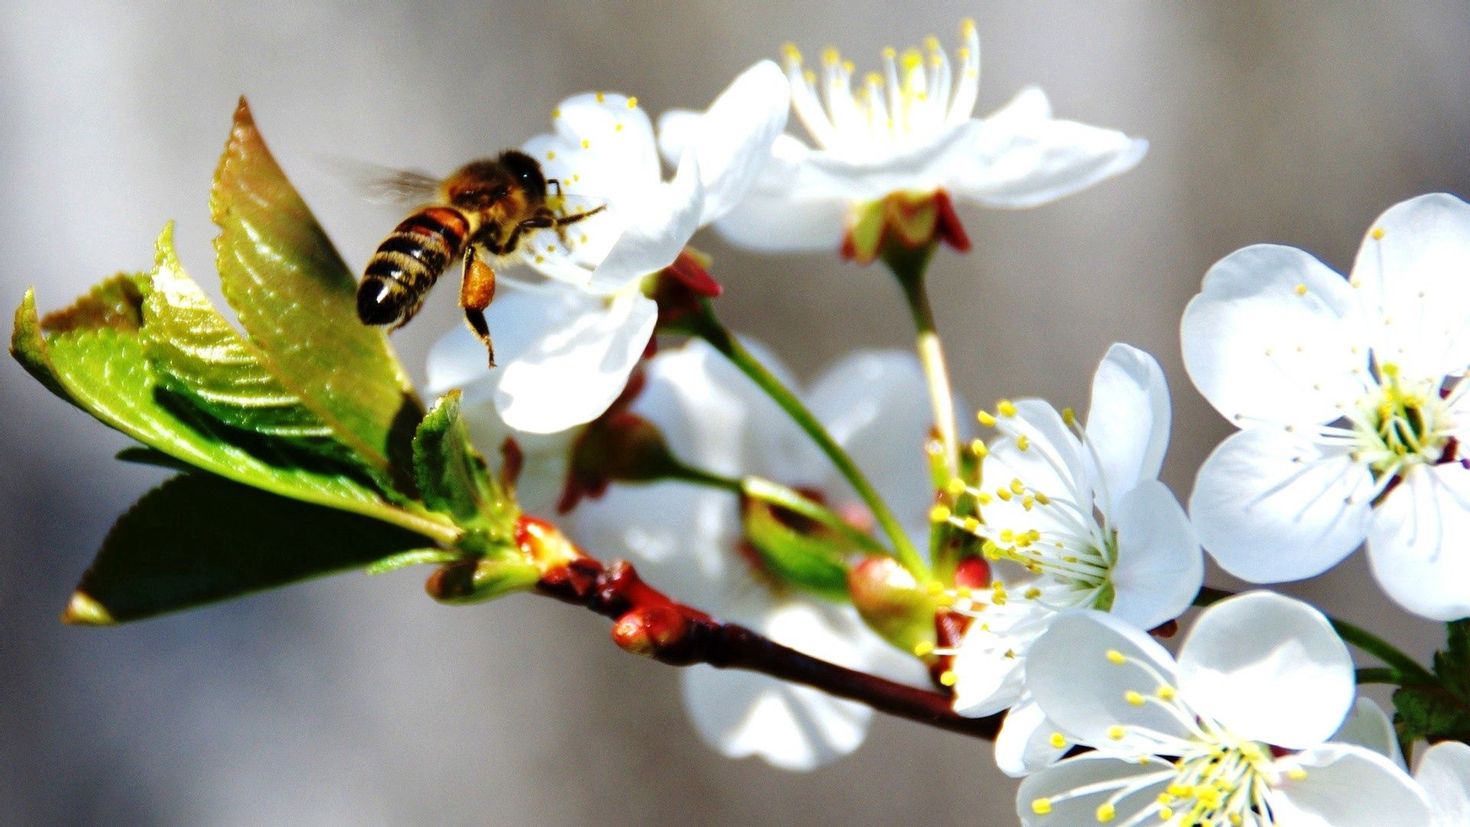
105 371
451 477
197 539
796 550
1442 710
296 300
198 354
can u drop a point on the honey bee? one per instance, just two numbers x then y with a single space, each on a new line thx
481 214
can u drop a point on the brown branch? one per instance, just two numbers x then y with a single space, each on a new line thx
647 622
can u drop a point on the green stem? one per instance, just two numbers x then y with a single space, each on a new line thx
704 325
1409 671
909 266
1379 674
770 491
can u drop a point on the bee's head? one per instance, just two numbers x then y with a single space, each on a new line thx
526 171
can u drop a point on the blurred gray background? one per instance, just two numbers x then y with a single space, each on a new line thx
358 700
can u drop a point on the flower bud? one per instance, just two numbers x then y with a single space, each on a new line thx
680 287
892 603
473 581
618 446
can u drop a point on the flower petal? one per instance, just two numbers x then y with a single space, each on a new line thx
1070 674
1160 567
989 667
875 404
1097 774
653 238
1023 744
779 221
1128 420
1019 160
1417 542
1269 668
1444 774
570 375
790 727
1369 726
1412 270
732 138
1347 786
1274 335
1270 506
618 154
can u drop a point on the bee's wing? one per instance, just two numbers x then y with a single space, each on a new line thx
382 184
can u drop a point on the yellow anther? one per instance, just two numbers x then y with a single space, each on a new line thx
940 514
1377 233
1005 407
1296 774
932 43
985 419
1017 487
1042 498
1004 493
946 678
551 155
1301 289
873 79
1069 417
1133 697
1041 806
889 53
831 57
967 26
601 97
555 113
791 53
1166 814
955 486
977 447
1165 692
1116 732
1027 502
1116 658
1023 442
935 587
618 127
586 144
984 498
847 67
923 648
1057 741
912 60
1106 813
809 76
632 103
540 259
1033 593
972 524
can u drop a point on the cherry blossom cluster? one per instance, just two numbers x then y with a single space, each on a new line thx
1026 560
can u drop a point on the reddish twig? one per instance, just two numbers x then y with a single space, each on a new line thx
647 622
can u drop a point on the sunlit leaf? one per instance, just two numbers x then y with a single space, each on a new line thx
295 298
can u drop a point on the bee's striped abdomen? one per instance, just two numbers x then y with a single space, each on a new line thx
408 262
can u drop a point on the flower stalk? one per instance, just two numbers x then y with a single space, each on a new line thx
705 326
909 266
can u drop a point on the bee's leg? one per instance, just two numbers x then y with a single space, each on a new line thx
554 184
476 289
541 219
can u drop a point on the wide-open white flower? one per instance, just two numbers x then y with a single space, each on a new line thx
1081 514
1234 733
1352 406
603 152
687 541
907 129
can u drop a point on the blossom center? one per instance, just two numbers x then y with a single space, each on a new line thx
1400 424
913 101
